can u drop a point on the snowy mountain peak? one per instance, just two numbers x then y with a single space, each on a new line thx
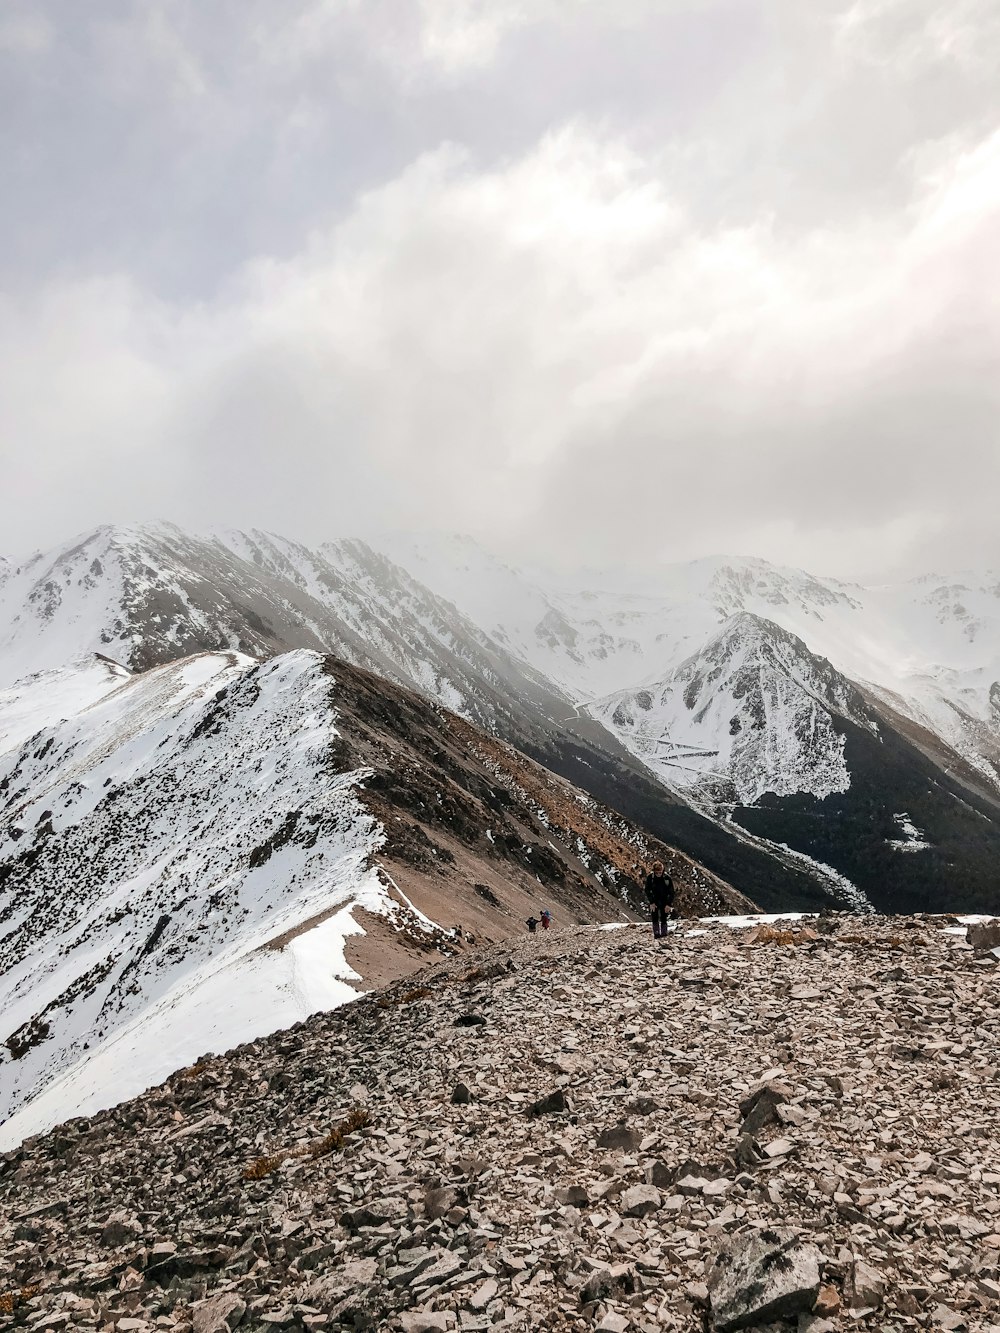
750 712
750 583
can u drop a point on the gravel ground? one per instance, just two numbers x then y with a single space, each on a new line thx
550 1135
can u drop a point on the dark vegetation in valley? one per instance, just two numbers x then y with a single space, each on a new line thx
621 781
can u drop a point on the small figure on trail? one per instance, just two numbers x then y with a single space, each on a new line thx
532 924
660 893
546 919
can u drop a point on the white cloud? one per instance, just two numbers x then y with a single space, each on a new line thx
908 36
24 32
554 350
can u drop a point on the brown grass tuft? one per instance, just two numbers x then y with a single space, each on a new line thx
768 934
10 1300
332 1142
193 1071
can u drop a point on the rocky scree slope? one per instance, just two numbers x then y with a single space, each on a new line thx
218 847
782 1128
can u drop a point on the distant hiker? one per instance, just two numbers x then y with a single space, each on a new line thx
532 924
660 893
546 919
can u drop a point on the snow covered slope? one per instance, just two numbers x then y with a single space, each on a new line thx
53 696
148 595
751 712
151 847
214 848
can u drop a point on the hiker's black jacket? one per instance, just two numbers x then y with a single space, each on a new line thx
660 890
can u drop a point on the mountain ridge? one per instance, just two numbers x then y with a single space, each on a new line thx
532 664
219 845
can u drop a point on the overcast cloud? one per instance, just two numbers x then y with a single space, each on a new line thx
592 279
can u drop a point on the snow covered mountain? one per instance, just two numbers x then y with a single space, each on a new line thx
752 689
749 713
217 847
707 700
146 596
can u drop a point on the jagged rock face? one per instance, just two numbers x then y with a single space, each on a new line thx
595 1174
181 861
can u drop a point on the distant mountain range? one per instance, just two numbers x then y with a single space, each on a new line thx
780 727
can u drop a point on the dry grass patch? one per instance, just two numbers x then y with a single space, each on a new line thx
332 1142
10 1300
768 934
193 1071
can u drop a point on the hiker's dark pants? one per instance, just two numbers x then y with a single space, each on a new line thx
659 913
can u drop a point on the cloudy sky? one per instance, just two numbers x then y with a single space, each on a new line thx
593 279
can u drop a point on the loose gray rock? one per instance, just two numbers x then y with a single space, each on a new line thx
983 935
554 1104
119 1230
217 1314
619 1138
424 1321
760 1276
640 1200
437 1202
760 1108
865 1286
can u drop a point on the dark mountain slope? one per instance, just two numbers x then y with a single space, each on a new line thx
952 855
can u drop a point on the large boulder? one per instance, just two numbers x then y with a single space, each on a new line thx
984 935
760 1276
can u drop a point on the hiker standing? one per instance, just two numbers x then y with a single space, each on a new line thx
546 919
660 893
532 924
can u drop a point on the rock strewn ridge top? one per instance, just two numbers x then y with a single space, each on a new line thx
212 1201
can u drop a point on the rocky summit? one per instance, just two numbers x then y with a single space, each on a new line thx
786 1126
